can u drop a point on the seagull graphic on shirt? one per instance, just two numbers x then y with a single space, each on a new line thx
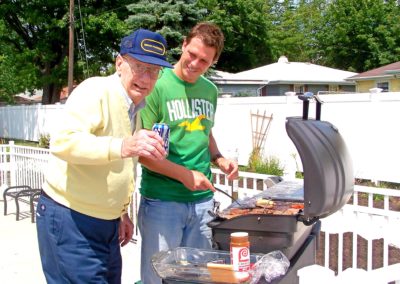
194 125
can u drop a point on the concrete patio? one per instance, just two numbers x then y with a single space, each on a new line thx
20 260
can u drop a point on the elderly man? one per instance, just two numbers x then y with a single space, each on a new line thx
82 212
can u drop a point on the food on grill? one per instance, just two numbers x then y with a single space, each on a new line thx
238 211
266 203
266 207
224 273
297 206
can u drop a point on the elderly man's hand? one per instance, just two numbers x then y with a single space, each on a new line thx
144 143
125 230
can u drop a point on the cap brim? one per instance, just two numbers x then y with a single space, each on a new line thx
151 60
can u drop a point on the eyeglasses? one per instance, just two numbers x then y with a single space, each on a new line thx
138 69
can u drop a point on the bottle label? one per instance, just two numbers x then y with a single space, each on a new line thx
240 258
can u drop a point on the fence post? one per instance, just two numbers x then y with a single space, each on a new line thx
13 166
4 166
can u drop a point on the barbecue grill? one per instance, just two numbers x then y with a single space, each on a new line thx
328 184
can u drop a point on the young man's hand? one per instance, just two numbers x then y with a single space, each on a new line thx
195 180
228 167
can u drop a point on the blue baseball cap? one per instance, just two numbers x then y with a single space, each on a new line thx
146 46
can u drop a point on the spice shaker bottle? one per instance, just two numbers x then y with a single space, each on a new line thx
240 251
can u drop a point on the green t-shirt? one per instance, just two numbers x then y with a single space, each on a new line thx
189 110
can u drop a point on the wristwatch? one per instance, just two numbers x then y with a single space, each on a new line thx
216 157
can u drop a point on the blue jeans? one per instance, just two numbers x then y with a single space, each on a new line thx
166 225
76 248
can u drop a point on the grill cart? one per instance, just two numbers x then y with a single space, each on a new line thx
286 217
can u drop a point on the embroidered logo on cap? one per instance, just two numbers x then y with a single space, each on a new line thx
153 46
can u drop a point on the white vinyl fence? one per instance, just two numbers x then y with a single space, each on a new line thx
365 223
367 123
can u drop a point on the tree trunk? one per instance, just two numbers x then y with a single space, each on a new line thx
51 94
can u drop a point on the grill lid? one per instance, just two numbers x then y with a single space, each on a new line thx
327 165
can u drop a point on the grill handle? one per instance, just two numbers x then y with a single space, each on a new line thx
306 220
306 98
318 108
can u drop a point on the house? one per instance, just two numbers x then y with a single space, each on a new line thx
27 98
283 78
35 97
385 79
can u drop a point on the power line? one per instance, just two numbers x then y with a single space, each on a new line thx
83 39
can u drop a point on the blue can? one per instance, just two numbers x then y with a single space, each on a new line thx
163 130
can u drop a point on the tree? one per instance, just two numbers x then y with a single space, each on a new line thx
36 42
173 19
17 71
354 35
294 29
360 35
246 29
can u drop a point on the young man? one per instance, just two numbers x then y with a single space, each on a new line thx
177 193
82 212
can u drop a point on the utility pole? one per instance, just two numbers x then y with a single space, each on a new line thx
71 48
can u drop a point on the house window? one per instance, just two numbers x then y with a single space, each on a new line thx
333 88
299 89
383 85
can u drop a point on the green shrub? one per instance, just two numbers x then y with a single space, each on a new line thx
259 165
242 94
44 141
270 166
255 160
299 175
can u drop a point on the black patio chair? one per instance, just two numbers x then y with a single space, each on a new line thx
22 193
33 200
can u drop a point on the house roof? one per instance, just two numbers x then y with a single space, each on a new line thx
381 72
285 72
35 96
29 97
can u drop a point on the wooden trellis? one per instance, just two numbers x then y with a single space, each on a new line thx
260 124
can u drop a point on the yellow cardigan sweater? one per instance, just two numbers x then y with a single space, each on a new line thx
86 172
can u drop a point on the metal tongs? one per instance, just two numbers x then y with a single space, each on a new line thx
215 212
230 196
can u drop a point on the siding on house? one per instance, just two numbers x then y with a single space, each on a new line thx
395 85
236 90
277 90
262 90
370 79
365 86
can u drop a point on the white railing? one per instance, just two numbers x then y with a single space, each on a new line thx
4 164
356 223
363 237
22 165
